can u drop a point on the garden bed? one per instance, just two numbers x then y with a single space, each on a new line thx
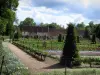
11 64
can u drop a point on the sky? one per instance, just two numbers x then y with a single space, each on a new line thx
59 11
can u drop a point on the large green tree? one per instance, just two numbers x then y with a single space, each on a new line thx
7 14
28 22
70 51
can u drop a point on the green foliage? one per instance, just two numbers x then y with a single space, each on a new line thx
36 37
10 4
30 50
51 25
84 45
59 38
70 51
17 34
3 23
44 44
80 71
86 33
91 24
11 65
97 30
93 39
27 22
7 15
80 25
78 39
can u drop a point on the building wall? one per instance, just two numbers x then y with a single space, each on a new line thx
42 34
25 33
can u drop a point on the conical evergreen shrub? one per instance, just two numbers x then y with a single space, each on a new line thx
70 55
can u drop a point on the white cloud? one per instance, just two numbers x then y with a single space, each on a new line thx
47 15
47 10
25 3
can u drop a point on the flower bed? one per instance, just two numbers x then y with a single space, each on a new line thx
11 65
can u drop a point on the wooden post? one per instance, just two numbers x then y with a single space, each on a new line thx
65 68
1 65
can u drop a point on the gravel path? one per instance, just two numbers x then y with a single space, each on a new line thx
82 53
30 62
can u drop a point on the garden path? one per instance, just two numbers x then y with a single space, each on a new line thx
30 62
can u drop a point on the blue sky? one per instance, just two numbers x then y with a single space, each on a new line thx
59 11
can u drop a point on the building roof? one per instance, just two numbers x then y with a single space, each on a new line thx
40 29
37 29
49 31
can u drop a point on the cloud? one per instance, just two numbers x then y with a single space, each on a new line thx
59 11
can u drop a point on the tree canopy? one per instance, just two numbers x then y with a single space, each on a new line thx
80 25
28 22
51 25
7 15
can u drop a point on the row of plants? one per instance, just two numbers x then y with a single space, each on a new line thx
44 45
88 47
11 64
54 45
28 48
32 51
73 72
85 60
91 60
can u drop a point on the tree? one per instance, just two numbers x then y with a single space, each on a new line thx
3 23
7 13
59 38
93 39
51 25
54 25
70 52
42 25
91 24
91 27
86 33
80 25
97 30
17 34
15 28
27 22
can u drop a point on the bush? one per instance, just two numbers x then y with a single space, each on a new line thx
36 37
77 62
86 33
59 38
70 52
93 39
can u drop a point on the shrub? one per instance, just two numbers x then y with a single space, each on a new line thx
93 39
70 51
59 38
